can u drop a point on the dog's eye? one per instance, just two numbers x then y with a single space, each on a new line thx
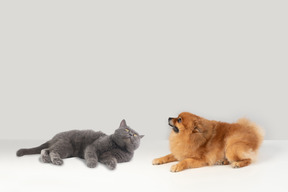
179 120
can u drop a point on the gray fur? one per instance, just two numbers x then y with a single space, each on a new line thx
92 146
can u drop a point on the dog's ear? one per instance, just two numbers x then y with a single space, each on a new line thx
203 126
197 126
196 129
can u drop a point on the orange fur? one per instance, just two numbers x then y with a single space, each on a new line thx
201 142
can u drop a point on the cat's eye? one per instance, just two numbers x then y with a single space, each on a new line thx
179 120
127 130
135 135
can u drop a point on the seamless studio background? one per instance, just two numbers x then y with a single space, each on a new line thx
87 65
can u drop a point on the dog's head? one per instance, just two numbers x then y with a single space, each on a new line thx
189 123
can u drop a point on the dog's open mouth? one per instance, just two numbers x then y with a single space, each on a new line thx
175 129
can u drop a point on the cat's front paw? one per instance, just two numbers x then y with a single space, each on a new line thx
111 163
91 163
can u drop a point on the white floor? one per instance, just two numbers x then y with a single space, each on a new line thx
26 173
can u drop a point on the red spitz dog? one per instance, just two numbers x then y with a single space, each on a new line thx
197 142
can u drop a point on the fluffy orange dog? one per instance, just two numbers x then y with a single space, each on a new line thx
198 142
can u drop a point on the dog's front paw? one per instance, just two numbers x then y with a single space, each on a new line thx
176 168
222 162
158 161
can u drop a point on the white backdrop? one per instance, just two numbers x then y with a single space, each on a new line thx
87 65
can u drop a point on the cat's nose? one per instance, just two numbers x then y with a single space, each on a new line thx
131 134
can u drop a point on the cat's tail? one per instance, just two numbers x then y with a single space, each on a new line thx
30 151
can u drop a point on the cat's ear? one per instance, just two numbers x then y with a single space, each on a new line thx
123 124
141 136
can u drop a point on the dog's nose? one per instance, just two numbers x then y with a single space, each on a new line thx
170 121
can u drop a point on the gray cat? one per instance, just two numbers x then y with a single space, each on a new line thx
89 145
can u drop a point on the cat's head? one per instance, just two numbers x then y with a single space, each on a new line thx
126 137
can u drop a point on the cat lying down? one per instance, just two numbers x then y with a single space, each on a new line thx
89 145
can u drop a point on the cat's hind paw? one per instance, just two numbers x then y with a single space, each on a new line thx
45 158
57 161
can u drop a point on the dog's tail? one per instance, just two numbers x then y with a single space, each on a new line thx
258 130
30 151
